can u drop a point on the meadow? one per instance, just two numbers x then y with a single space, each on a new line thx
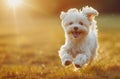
29 50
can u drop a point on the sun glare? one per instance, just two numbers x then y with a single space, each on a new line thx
14 3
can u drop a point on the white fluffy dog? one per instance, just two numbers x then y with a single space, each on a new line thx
81 36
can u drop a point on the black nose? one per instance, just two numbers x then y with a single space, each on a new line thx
75 28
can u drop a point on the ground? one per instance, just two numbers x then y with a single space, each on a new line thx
29 50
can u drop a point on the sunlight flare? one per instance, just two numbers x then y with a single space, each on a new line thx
14 3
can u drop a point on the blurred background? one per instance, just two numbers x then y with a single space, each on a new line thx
32 28
34 25
38 8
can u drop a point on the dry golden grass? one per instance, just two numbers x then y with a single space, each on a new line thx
29 51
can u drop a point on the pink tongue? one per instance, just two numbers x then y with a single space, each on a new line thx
76 34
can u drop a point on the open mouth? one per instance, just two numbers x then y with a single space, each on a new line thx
76 34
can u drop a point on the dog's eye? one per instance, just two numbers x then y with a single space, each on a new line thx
81 23
70 23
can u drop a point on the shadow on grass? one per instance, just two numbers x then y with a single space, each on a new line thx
94 72
112 72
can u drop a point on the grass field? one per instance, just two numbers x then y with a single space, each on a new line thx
28 50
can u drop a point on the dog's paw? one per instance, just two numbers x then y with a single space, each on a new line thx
80 60
77 66
66 60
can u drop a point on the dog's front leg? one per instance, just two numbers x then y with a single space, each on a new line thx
82 58
65 57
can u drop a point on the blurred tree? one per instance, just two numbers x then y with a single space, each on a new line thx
56 6
40 8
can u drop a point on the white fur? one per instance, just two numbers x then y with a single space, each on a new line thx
81 45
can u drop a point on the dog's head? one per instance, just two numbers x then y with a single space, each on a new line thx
76 23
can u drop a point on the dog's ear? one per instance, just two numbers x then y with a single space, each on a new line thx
62 15
89 12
